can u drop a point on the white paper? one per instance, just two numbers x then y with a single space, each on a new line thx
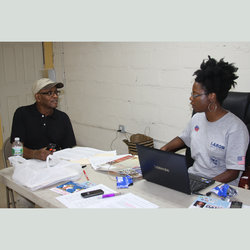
128 200
100 163
83 155
77 153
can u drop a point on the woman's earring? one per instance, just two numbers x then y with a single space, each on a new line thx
209 107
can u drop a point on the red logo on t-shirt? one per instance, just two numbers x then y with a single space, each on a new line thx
196 128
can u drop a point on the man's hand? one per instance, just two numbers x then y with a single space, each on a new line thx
41 154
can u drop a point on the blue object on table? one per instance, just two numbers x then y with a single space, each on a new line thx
124 181
224 190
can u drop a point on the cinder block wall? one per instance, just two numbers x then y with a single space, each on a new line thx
144 86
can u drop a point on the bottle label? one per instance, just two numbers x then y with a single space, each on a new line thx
17 151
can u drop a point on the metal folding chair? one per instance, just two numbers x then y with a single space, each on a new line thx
9 192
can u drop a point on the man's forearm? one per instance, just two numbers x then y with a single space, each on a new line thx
40 154
28 153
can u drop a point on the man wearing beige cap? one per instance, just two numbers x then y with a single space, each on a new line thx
41 124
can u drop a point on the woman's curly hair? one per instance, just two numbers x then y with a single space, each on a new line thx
216 77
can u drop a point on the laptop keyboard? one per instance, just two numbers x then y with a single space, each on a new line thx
198 183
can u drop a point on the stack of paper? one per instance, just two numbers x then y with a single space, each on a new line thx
80 153
104 162
99 159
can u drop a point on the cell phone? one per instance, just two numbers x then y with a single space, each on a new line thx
92 193
51 147
236 204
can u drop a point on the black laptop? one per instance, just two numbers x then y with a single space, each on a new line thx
170 170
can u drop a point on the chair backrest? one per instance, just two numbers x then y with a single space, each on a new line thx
6 151
239 104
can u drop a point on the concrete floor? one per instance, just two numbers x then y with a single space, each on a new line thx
3 201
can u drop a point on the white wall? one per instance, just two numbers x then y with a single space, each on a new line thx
144 86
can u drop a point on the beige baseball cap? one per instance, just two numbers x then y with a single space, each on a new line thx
45 83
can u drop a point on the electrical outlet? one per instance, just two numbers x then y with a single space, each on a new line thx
121 129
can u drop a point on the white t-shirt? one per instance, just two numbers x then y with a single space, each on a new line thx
216 146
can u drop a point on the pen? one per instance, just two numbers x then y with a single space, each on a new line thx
110 195
85 175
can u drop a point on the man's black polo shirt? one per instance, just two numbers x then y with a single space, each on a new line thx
37 130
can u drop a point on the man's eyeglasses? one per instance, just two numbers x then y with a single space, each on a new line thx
196 95
51 93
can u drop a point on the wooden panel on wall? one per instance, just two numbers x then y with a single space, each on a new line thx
20 66
9 57
29 64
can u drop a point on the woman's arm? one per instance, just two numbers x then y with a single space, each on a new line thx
176 144
227 176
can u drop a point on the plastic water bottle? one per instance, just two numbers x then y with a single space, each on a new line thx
17 147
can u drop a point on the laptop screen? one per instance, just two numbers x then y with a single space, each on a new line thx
164 168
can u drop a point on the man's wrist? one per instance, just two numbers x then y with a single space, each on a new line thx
34 154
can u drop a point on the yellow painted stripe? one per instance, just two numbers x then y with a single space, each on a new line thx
48 55
1 136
